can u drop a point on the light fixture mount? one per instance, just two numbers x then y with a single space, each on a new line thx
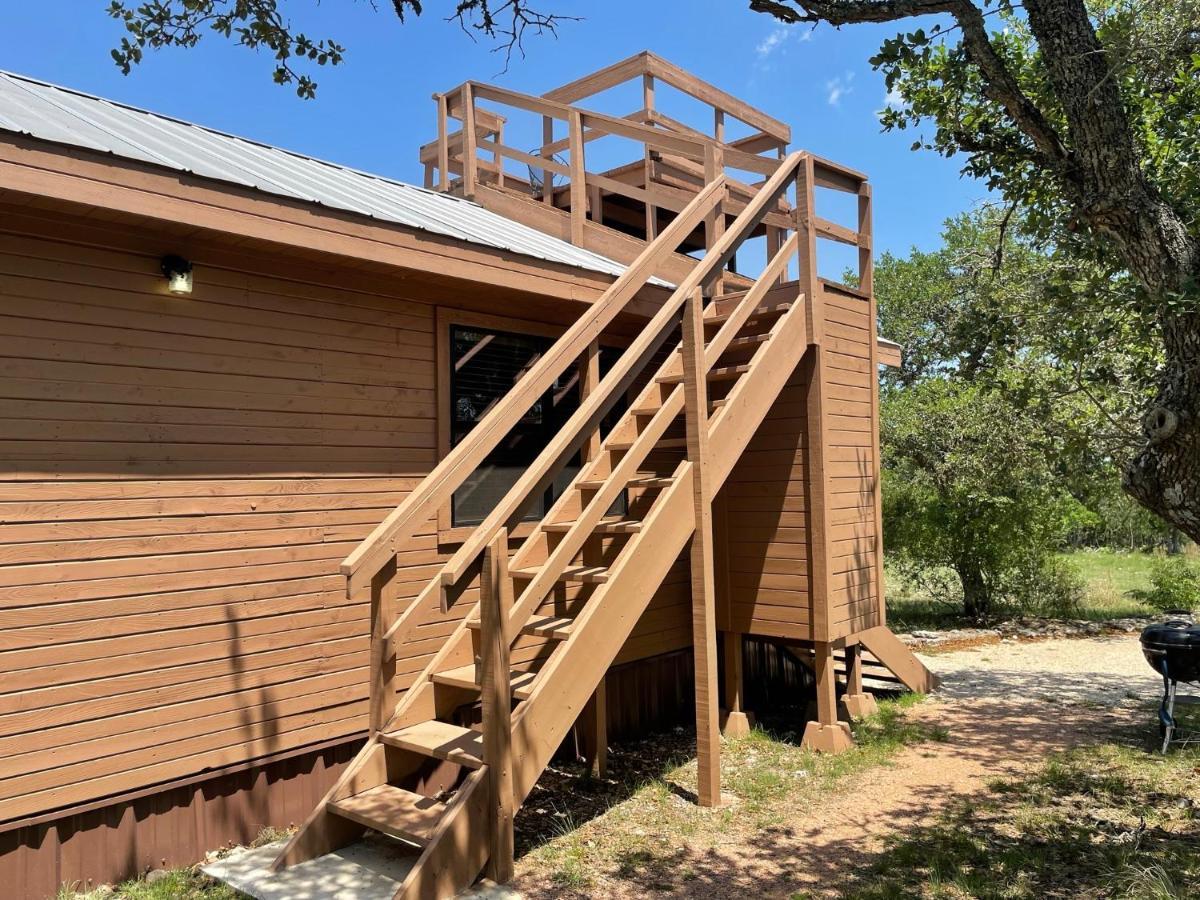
178 272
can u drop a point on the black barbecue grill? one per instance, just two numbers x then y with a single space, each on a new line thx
1173 649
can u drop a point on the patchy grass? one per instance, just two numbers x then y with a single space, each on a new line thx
1110 820
1110 575
177 884
652 835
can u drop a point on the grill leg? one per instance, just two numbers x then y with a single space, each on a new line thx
1167 715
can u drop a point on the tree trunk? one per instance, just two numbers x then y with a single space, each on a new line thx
1165 476
977 596
1114 197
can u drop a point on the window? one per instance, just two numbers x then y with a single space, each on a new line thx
485 363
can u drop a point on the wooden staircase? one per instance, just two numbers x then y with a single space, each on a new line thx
493 705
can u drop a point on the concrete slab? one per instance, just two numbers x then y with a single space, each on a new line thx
372 869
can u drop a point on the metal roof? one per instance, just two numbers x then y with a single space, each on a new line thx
52 113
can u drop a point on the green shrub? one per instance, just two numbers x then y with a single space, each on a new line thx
1050 587
1174 583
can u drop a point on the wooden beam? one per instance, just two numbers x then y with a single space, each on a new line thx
717 98
595 82
704 629
495 601
856 702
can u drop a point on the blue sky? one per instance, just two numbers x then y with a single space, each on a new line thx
373 111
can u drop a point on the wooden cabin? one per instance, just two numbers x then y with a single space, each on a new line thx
333 501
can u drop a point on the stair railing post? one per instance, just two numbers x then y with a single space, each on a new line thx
495 605
714 226
578 176
647 160
704 628
383 659
470 149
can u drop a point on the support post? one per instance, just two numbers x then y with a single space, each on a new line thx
578 176
595 732
383 658
470 153
443 163
866 283
592 729
826 734
737 721
495 605
856 702
704 633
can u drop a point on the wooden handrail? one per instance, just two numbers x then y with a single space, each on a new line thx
593 408
438 487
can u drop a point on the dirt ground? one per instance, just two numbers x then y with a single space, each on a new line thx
1005 706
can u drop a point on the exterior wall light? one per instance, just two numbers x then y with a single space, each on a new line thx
179 274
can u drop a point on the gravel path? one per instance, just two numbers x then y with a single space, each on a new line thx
1109 671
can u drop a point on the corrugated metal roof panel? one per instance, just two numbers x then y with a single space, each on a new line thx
64 116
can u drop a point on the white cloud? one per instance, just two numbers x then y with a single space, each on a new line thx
772 42
894 99
838 88
778 39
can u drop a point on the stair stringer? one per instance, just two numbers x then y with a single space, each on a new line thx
543 721
900 660
570 676
457 852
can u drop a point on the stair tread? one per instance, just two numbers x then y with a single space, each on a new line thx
557 627
642 479
585 574
761 312
604 526
716 373
393 811
464 677
749 340
662 444
440 739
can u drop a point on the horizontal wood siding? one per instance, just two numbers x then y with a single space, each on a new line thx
853 469
764 505
179 479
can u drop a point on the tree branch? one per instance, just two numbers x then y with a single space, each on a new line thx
999 83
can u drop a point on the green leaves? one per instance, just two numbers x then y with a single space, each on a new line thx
254 24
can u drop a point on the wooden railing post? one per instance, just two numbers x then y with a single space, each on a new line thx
647 162
578 176
383 660
714 226
470 149
443 157
704 628
495 603
547 175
